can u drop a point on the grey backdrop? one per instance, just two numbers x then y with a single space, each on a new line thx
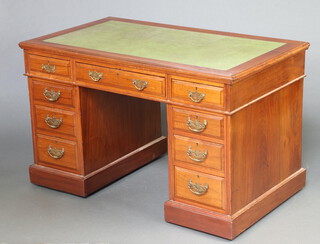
131 210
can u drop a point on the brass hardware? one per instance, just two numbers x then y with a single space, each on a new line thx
53 122
196 125
140 84
197 188
95 75
196 155
51 96
55 153
49 68
196 96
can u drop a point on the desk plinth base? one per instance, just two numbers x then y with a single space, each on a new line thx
85 185
231 226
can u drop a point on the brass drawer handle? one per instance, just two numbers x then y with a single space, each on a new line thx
196 155
48 68
196 96
196 125
95 75
53 122
55 153
140 84
51 95
197 188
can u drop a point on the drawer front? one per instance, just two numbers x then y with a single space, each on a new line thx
198 152
194 187
118 79
54 121
56 153
198 123
51 68
53 94
197 94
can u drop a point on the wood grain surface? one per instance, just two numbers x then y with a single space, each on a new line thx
114 125
265 144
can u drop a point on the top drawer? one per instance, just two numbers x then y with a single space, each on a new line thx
129 82
51 68
197 94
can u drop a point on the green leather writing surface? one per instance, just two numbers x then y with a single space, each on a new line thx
178 46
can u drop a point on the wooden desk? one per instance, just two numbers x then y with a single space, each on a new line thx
234 110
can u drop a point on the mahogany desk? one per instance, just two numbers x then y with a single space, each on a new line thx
234 110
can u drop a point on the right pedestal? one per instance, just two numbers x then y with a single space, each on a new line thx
228 185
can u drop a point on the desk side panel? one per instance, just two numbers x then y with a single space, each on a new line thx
265 144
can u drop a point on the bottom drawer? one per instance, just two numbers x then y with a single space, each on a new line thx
194 187
56 153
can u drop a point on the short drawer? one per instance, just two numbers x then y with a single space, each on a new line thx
197 94
54 121
198 152
194 187
52 93
196 123
56 153
48 67
118 79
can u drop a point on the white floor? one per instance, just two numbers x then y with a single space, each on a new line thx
131 210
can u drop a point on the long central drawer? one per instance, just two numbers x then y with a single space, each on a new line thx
128 82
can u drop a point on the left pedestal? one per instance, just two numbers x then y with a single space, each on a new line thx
85 139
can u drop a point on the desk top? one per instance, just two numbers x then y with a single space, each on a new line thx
213 53
179 46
